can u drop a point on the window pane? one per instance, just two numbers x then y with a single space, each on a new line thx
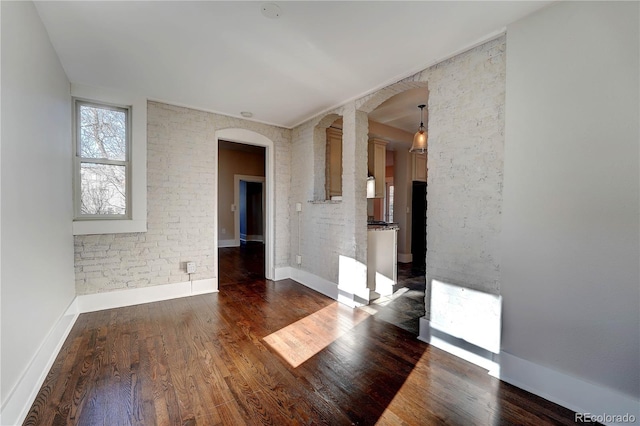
103 133
102 189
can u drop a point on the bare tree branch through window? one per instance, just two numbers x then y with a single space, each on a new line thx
102 138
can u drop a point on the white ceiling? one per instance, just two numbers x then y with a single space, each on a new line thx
227 57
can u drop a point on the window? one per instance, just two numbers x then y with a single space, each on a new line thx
104 171
102 162
389 202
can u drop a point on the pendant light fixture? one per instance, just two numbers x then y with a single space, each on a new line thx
420 139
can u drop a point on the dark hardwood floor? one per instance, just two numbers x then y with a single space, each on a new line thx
268 352
240 264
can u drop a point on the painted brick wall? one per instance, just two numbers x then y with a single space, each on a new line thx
181 201
330 229
466 152
466 147
321 231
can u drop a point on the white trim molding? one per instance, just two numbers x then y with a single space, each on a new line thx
314 282
19 401
405 257
282 273
228 243
458 347
560 388
323 286
138 162
137 296
563 389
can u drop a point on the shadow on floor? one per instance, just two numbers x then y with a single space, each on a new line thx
405 306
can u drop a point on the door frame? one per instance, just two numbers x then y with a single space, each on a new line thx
250 137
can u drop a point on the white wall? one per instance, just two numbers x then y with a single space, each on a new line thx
37 244
570 238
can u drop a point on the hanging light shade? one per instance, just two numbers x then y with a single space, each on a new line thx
420 139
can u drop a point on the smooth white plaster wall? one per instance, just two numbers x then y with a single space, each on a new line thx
37 245
570 238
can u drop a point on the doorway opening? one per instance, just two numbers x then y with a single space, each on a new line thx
245 216
393 122
244 260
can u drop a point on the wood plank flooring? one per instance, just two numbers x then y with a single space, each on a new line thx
228 359
243 263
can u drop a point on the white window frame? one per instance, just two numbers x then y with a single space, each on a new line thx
79 160
135 219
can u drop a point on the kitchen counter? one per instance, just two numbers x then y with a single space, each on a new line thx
382 226
382 257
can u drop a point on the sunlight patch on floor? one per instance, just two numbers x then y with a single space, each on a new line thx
301 340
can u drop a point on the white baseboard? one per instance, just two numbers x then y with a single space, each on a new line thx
228 243
405 257
137 296
209 285
315 282
319 284
560 388
282 273
458 347
15 409
563 389
19 401
258 238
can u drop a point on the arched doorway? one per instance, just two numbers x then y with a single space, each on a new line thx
393 118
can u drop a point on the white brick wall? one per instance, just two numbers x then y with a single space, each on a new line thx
181 200
466 151
466 146
330 229
322 229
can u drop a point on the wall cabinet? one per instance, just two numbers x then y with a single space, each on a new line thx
333 171
419 167
377 164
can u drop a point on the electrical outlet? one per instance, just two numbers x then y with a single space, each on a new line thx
298 207
299 260
191 267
